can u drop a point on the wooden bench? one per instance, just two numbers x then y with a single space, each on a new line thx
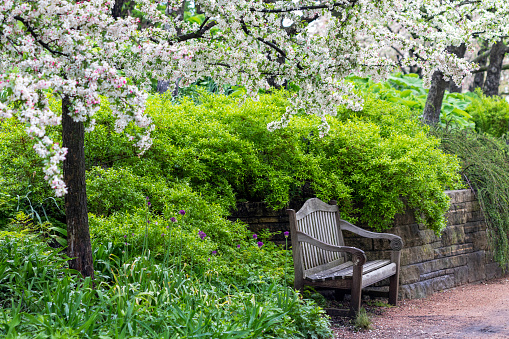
321 259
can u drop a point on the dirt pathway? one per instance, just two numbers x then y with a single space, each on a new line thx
470 311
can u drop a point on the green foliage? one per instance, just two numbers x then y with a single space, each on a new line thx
22 185
383 155
485 166
26 262
467 110
220 151
407 90
141 298
362 321
490 114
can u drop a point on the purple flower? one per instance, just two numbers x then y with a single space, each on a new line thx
214 252
125 236
147 198
209 259
286 234
238 246
255 236
173 219
148 221
162 235
182 212
133 234
155 222
260 244
167 227
126 244
202 235
148 203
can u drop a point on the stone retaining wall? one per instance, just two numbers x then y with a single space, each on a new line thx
428 263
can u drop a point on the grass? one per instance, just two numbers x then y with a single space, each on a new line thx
362 321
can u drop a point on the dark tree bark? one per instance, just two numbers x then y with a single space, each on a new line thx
497 55
164 85
431 115
79 247
433 106
479 77
460 52
116 11
122 8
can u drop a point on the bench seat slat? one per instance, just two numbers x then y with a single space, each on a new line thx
345 271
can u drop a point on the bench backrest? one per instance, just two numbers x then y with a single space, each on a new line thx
321 221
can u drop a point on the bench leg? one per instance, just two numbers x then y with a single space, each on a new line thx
394 280
393 290
355 303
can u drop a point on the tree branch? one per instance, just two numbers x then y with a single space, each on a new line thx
36 37
482 56
485 68
198 34
268 43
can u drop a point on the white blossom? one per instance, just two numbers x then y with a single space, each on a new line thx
78 50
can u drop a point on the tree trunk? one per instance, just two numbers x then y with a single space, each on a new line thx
433 106
178 15
116 11
479 77
79 247
162 86
492 82
460 53
431 115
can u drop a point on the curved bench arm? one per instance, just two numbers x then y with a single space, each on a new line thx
358 255
396 241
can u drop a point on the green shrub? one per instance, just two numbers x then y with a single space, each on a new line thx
385 158
223 151
490 114
22 185
221 141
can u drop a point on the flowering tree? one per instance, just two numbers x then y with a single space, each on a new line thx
79 51
467 22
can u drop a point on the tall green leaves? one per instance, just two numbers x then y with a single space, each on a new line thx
140 298
485 166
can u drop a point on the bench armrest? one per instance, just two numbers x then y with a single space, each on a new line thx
396 242
358 255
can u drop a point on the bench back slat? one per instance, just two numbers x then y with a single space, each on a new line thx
319 220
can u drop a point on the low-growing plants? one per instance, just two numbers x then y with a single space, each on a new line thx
136 296
468 110
362 321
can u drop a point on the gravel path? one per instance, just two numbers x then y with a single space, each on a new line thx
470 311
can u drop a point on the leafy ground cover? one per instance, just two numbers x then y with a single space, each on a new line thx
139 297
468 110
